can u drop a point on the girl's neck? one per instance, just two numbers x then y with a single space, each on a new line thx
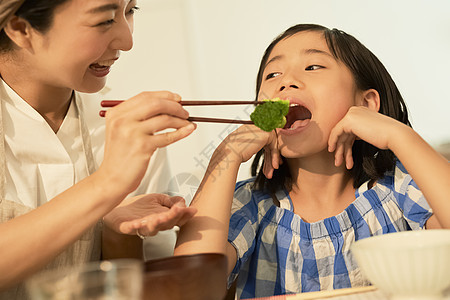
52 103
320 189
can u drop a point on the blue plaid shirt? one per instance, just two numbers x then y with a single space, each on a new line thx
279 253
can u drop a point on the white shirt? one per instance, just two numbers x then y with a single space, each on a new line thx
41 164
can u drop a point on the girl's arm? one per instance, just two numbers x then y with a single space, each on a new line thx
429 169
207 231
130 142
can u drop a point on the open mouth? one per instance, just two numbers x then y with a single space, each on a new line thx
104 65
298 116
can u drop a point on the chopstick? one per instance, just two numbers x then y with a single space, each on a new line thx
321 294
332 293
102 113
111 103
216 120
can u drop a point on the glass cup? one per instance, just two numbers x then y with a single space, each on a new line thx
119 279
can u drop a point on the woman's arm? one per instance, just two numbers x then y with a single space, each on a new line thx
429 169
30 241
130 142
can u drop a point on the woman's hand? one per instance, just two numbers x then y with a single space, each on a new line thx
365 124
149 214
132 135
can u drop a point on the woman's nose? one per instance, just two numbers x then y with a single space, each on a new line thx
124 36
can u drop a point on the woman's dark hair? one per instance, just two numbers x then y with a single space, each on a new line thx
39 13
370 163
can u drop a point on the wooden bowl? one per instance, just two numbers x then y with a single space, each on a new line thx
196 277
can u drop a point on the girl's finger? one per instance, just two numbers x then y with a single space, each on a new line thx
268 166
275 158
349 154
268 169
346 141
338 154
333 139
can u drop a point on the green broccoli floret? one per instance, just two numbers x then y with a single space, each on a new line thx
271 114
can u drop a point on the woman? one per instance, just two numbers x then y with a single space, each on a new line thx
54 190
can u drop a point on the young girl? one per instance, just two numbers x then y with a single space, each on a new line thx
346 166
58 188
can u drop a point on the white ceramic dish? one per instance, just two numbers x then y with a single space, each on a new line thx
407 265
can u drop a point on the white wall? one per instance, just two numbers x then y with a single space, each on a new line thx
210 49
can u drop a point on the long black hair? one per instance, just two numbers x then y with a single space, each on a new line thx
370 163
39 13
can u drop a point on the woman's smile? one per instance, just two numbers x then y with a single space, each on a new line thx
102 68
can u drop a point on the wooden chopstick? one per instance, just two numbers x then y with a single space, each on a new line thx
322 294
216 120
111 103
102 113
332 293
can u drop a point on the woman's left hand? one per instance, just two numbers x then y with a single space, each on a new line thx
149 214
361 123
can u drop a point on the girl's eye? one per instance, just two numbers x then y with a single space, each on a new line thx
313 67
272 75
132 10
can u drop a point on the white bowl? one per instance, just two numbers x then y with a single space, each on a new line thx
407 265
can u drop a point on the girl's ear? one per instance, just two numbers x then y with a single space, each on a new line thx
18 30
371 99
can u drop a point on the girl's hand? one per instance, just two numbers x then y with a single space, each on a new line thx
361 123
246 141
132 135
272 159
149 214
272 156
